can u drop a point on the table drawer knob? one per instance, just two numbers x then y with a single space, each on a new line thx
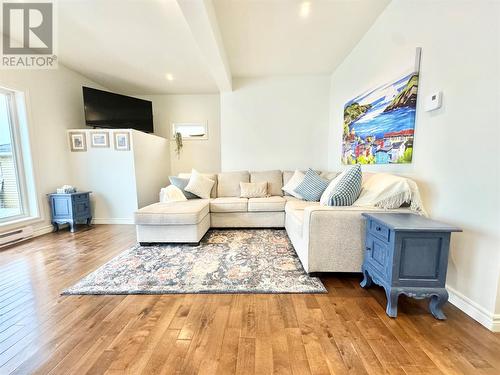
368 248
378 229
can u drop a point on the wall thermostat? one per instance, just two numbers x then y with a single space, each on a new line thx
433 101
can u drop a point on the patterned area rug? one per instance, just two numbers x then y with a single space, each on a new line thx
226 261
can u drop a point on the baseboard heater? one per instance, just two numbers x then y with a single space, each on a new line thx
14 236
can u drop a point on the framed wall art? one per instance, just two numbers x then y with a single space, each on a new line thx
99 139
77 141
122 141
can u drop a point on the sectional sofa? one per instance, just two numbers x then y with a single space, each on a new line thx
326 239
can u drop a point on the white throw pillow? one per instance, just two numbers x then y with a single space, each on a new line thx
292 184
253 189
199 185
325 197
172 193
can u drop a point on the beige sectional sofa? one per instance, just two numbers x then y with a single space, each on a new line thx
326 239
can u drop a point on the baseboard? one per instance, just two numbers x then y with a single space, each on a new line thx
49 228
495 327
112 221
475 311
42 230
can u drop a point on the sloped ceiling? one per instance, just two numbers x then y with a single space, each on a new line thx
275 37
129 46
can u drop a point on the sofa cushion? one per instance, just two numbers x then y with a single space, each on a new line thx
295 222
274 181
328 175
299 205
298 215
290 198
175 213
287 175
266 204
229 204
228 183
212 176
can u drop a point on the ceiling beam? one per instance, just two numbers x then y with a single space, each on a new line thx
201 19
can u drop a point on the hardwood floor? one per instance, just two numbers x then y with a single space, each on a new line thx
343 332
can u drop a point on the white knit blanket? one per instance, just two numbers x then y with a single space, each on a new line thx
384 190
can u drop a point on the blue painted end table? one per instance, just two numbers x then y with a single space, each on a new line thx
407 254
70 208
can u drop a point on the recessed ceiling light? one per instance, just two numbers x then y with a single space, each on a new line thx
305 9
169 77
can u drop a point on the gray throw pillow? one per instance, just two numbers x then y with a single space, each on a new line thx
312 187
181 183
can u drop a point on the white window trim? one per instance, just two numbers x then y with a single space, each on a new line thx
23 162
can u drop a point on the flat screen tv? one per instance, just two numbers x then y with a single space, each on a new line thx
105 109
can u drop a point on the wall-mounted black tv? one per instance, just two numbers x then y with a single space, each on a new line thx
105 109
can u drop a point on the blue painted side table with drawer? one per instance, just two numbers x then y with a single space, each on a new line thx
407 254
71 208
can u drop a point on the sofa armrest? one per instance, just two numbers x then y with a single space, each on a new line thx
338 220
335 237
338 217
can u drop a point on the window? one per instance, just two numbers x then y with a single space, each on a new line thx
16 185
190 130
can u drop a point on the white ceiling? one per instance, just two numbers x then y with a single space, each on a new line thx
130 45
269 37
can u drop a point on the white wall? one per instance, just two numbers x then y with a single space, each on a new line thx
54 104
456 166
151 166
109 174
203 155
275 123
121 181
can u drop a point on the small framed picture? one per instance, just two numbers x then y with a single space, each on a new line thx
99 139
78 141
122 141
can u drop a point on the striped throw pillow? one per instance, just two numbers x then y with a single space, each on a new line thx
312 186
346 187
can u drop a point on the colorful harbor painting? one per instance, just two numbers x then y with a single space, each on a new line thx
379 125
